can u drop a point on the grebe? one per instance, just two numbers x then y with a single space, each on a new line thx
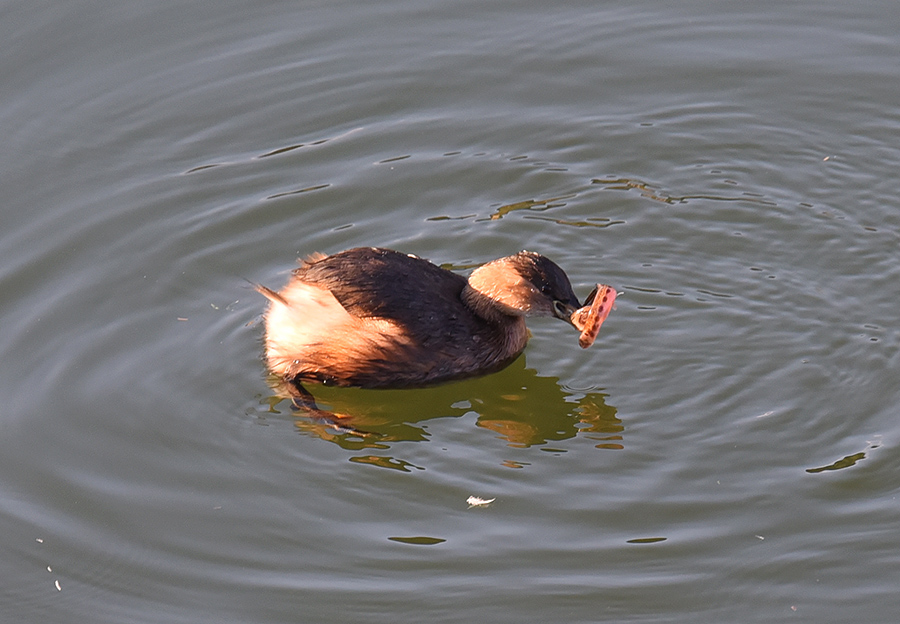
377 318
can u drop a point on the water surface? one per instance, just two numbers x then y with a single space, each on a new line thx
727 450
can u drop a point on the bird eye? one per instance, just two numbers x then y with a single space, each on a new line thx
560 307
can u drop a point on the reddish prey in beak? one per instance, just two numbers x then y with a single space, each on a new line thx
590 317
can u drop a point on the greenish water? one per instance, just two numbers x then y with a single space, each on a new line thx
726 451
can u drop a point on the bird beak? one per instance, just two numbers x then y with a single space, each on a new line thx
564 311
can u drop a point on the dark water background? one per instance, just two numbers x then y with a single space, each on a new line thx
727 451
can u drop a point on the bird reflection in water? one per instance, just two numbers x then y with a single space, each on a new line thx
523 408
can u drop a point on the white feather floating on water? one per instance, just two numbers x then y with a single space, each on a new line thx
475 501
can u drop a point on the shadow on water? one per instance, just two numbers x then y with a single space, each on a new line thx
523 408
